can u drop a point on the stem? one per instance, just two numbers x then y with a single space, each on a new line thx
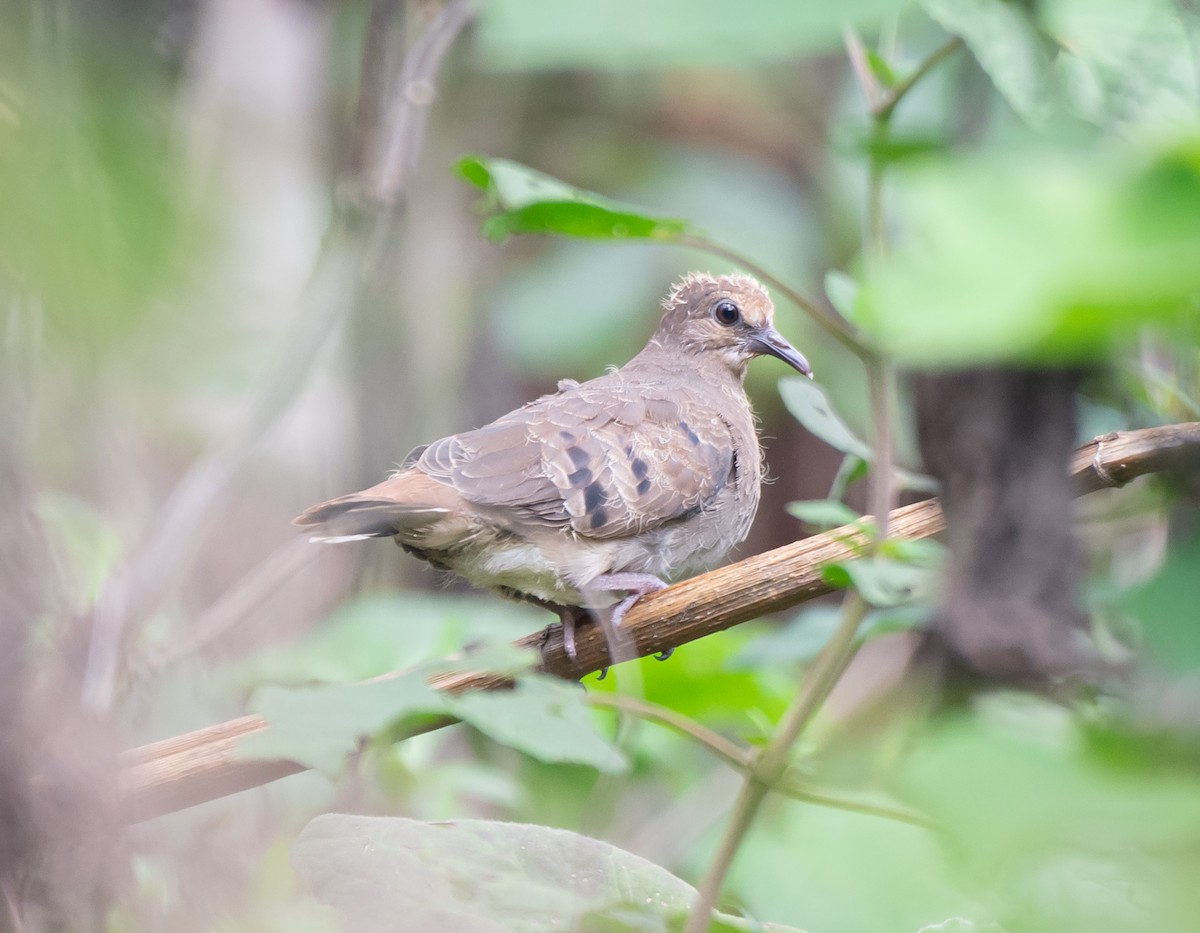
884 106
833 323
732 753
771 763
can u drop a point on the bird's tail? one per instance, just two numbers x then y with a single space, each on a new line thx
404 506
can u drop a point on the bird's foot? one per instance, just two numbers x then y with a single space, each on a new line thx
636 585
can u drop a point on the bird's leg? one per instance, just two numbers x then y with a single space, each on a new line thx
636 585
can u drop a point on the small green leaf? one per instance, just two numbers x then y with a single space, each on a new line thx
885 582
825 513
541 716
391 873
842 292
851 470
920 552
836 576
881 69
521 200
807 402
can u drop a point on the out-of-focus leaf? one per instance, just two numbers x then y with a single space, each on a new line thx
881 581
1063 841
94 221
86 545
1166 606
842 292
801 640
826 513
850 470
1126 63
627 34
807 402
541 716
1045 258
377 633
478 876
1007 44
321 726
920 552
522 200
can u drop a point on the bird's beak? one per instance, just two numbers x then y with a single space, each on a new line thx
769 340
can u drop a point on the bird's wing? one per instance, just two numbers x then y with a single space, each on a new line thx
606 459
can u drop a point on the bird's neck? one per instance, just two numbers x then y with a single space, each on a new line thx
727 370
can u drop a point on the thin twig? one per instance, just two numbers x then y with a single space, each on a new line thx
732 753
833 323
772 762
404 126
883 107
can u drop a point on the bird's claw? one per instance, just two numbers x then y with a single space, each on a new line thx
663 655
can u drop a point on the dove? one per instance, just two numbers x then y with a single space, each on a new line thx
588 498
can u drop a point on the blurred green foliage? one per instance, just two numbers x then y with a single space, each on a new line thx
1043 204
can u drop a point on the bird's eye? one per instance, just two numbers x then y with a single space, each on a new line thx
726 313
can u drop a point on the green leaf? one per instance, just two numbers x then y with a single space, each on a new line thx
1084 844
1009 48
320 727
1125 63
920 552
628 34
842 292
521 200
1045 257
541 716
807 402
1166 606
478 876
881 69
802 639
827 513
881 581
851 470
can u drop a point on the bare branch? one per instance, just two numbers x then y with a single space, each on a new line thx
203 765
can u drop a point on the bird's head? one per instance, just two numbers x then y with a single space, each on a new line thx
725 317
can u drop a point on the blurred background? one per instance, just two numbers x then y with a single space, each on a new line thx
239 275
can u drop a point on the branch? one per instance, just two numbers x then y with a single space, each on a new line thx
200 766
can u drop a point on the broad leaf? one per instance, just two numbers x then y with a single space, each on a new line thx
808 404
1008 46
544 717
521 200
1038 258
478 876
321 726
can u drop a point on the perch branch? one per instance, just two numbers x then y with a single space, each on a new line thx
200 766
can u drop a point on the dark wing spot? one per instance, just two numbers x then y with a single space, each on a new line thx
691 435
599 517
639 468
580 477
567 436
643 487
578 455
593 498
628 450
